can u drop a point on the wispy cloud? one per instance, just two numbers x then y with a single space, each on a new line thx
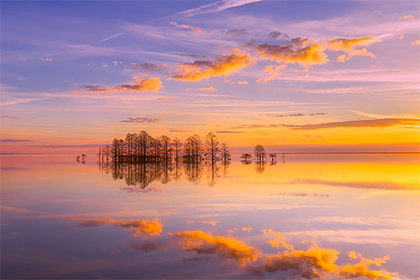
143 120
359 123
379 116
191 55
66 146
148 67
9 117
14 140
211 88
152 84
216 7
177 130
111 37
234 32
229 131
256 126
165 99
149 227
185 26
205 69
13 209
408 17
318 114
291 115
149 247
20 101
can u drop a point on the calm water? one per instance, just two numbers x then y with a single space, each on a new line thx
316 216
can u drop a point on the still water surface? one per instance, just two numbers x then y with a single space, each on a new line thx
312 217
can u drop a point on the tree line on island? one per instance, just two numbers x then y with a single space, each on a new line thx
140 159
143 148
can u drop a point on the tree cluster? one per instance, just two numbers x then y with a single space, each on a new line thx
260 156
143 148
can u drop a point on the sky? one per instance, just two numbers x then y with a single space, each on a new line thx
294 76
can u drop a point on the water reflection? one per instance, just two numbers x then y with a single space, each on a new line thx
306 259
142 175
312 218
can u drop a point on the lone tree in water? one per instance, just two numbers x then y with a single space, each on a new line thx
212 146
246 158
260 153
273 157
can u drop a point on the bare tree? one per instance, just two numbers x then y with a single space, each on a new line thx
273 157
212 146
177 145
166 149
246 158
260 153
224 152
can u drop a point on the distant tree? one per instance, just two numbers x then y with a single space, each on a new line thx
273 157
177 147
116 149
246 158
224 153
260 153
212 146
166 149
193 149
197 148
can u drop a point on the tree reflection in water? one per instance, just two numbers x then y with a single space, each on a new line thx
141 175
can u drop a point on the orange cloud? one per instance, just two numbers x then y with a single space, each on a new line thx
312 263
150 227
184 26
273 71
213 223
362 268
348 46
410 17
167 211
297 51
280 241
151 84
247 229
165 99
12 209
228 248
416 43
205 69
307 52
318 262
242 82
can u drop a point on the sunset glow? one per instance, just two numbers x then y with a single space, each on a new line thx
318 76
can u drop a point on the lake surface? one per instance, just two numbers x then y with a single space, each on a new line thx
313 216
